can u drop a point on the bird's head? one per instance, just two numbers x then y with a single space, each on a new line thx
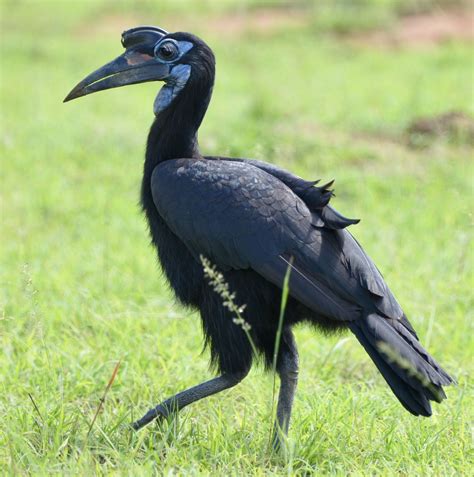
152 54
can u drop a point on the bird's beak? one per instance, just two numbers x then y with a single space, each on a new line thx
130 68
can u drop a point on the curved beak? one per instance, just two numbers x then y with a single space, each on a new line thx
131 67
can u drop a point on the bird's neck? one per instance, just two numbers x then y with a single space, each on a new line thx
173 134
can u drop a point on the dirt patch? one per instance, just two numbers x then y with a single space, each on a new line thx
423 29
454 126
371 152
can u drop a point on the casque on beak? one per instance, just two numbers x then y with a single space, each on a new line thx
136 65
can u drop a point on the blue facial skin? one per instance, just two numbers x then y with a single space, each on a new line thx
175 81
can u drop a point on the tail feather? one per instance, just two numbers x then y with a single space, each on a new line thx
412 374
440 377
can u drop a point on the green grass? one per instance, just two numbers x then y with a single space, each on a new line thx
79 284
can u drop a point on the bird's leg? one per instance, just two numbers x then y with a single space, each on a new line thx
288 372
182 399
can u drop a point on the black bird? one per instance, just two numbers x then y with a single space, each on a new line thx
253 221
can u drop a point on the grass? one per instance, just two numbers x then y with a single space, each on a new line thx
80 289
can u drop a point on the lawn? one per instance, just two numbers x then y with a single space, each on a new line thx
313 89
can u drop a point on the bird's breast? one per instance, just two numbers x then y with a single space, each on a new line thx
182 271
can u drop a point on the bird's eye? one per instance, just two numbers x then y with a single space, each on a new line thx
167 51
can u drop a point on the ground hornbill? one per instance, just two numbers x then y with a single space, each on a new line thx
254 222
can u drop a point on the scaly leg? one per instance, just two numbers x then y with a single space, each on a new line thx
182 399
288 372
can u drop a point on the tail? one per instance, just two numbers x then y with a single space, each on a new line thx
412 374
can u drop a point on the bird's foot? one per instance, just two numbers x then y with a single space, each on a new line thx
159 412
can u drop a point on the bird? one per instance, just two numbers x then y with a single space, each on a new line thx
258 225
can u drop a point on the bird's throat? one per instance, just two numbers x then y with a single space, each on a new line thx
177 80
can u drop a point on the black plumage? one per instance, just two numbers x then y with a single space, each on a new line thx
254 220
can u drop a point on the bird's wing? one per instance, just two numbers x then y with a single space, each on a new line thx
324 216
316 197
240 216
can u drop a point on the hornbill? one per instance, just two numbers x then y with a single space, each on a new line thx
254 221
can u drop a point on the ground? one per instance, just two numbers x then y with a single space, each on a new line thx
327 92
